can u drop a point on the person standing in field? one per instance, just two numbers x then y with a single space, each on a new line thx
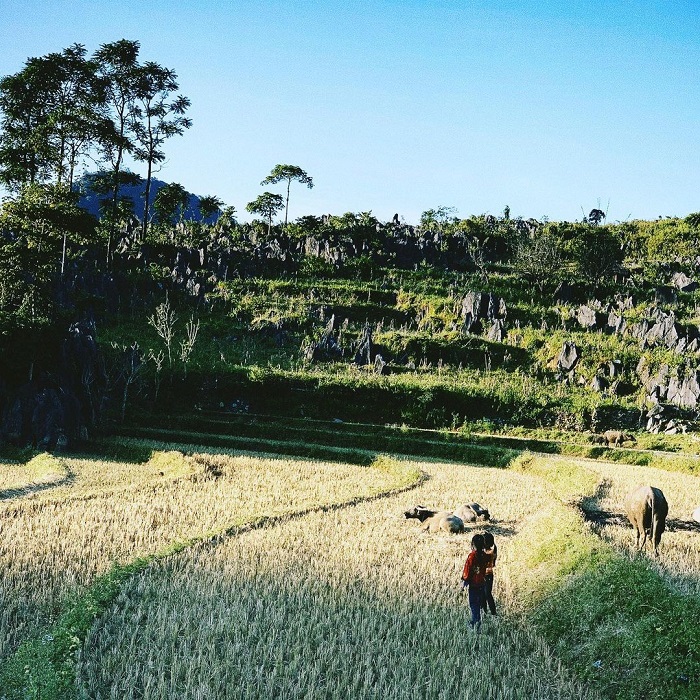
474 577
491 552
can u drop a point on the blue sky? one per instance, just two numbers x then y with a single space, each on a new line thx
404 105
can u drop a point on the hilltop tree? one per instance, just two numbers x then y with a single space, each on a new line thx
268 205
598 254
288 173
117 64
52 114
170 203
156 118
209 206
538 257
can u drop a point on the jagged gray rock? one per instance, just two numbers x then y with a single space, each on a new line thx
616 323
380 367
661 328
480 307
326 347
598 384
614 368
683 282
667 419
363 348
497 332
568 357
587 317
684 391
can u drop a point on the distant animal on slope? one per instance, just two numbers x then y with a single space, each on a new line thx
696 514
617 437
434 521
647 509
472 513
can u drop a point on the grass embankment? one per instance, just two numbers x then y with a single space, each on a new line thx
42 471
220 495
611 617
316 438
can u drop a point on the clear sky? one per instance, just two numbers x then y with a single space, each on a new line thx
404 105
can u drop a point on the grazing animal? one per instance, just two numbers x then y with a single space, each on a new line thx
647 509
696 514
617 437
434 521
472 513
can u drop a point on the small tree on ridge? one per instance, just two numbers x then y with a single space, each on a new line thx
287 173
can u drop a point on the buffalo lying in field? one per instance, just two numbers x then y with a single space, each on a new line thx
434 521
472 513
617 438
647 509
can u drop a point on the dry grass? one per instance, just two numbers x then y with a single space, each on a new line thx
358 602
53 545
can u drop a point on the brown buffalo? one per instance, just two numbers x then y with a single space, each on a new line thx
617 437
647 509
472 513
434 521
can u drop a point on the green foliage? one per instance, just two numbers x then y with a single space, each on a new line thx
210 206
38 223
619 619
539 258
170 203
268 205
597 254
287 173
51 115
156 117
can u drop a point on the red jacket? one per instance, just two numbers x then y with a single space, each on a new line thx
491 556
474 571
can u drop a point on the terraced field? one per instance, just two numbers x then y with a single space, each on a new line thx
359 602
176 569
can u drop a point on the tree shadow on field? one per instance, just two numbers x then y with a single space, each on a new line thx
23 491
591 503
498 528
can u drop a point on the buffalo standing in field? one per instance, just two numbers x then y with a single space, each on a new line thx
647 509
434 521
617 438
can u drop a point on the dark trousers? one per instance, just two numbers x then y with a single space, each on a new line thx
488 595
476 600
